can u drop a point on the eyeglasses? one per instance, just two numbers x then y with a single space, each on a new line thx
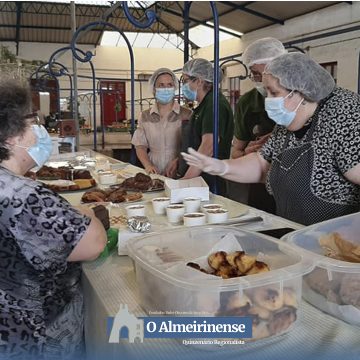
257 77
189 79
32 119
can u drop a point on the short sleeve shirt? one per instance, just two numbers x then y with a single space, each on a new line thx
336 143
203 122
251 119
40 297
162 136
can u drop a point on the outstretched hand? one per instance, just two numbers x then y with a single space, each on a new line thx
205 163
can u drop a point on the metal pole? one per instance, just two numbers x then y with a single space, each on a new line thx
75 104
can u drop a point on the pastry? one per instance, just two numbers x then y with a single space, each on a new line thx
259 311
237 300
290 297
94 196
260 330
257 268
268 298
102 213
350 289
217 259
281 320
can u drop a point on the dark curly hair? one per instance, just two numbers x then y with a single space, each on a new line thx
15 102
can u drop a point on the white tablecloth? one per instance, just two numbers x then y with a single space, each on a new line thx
111 282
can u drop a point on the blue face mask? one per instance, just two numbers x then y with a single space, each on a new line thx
276 110
164 95
41 150
188 93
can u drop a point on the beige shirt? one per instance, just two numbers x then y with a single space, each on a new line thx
161 135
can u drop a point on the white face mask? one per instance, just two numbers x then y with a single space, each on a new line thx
260 88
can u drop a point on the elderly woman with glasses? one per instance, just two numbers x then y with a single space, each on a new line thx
311 162
198 76
158 135
42 241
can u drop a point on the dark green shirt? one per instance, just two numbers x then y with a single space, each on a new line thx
202 121
251 120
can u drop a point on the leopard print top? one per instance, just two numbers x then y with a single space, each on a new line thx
41 304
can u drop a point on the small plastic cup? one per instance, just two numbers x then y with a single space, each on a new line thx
192 204
207 207
175 213
135 210
215 216
159 205
194 219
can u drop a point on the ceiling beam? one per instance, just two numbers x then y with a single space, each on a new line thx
252 12
18 24
40 27
198 22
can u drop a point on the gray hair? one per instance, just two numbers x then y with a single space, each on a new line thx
15 103
262 51
297 71
161 71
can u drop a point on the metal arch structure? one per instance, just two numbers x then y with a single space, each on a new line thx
61 72
151 17
87 56
45 73
216 73
241 77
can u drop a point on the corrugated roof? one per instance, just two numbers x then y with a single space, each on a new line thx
51 22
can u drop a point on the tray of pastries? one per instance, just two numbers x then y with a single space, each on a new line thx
110 195
63 178
141 183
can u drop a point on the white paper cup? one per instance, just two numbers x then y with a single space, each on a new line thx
207 207
192 204
175 213
195 218
135 210
159 205
217 215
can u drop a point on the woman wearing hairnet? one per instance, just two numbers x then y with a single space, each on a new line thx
311 162
159 128
198 76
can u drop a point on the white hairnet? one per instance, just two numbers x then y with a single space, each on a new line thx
297 71
201 69
262 51
159 72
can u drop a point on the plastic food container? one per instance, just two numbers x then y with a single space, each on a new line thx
334 285
168 286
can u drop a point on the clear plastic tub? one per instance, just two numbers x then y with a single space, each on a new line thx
168 287
334 285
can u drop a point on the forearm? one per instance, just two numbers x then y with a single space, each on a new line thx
247 169
206 148
238 148
141 152
191 172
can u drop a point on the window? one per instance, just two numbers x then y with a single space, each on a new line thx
331 67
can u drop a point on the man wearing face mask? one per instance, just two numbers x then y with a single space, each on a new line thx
42 241
158 135
311 161
198 76
252 124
